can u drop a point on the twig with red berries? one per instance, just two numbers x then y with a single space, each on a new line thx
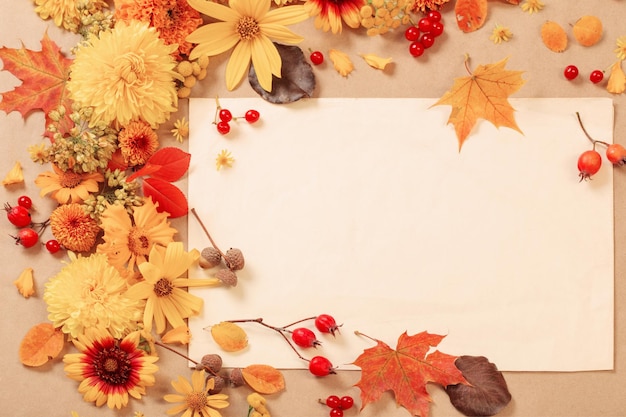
590 161
223 117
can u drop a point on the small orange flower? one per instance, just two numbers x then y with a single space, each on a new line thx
137 142
68 186
73 227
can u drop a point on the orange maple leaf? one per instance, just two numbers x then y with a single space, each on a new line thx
43 75
406 371
482 95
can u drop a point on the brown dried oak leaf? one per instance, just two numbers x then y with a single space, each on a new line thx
43 75
482 95
406 371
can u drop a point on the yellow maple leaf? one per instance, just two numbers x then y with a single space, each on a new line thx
482 95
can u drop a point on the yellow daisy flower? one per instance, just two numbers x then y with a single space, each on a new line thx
224 159
164 290
247 26
194 398
110 370
500 33
125 74
128 241
181 129
620 51
532 6
68 186
88 292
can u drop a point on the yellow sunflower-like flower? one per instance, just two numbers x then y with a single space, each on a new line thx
164 290
88 292
68 186
194 398
73 227
110 370
128 241
329 13
126 74
620 51
500 33
66 13
224 159
532 6
137 142
248 26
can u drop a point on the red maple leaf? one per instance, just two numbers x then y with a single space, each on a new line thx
43 75
406 371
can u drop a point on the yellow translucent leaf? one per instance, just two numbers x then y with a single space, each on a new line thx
264 379
179 334
341 62
25 283
229 336
14 176
617 79
553 36
587 30
375 61
42 343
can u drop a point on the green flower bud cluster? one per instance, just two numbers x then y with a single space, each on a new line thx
116 190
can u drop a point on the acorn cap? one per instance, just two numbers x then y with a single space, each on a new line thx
234 259
227 276
211 257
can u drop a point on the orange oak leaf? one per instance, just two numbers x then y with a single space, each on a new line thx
43 75
406 371
470 14
482 95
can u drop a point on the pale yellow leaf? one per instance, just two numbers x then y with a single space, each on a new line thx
229 336
15 175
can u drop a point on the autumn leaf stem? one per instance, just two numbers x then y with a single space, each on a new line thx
206 232
593 141
466 63
163 345
358 333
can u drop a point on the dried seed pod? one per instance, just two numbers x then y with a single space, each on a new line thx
227 276
234 259
236 377
212 361
211 256
219 384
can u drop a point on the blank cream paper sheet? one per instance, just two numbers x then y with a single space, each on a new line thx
366 210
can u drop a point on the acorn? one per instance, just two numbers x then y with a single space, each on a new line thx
210 257
218 385
212 361
227 276
236 377
234 259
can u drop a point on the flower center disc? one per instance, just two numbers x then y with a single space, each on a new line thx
163 287
196 401
247 28
113 366
70 179
138 243
130 68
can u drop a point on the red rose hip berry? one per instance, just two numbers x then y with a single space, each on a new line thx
18 215
304 337
326 323
27 237
589 163
320 366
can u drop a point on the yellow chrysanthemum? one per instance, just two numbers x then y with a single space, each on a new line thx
110 370
128 241
248 26
224 159
126 74
329 13
532 6
500 33
68 186
164 290
88 292
66 13
193 397
620 51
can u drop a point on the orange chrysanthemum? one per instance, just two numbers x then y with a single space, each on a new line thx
137 142
110 370
424 5
73 227
173 19
329 13
68 186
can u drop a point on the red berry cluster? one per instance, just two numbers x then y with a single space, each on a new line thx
422 36
20 217
223 117
571 72
338 405
590 161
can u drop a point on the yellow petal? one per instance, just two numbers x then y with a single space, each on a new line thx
216 11
617 79
25 283
178 335
15 175
280 34
238 65
286 15
375 61
214 38
341 62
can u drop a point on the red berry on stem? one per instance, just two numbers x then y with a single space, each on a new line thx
223 127
53 246
427 40
416 49
434 16
570 72
589 163
333 401
225 115
425 24
336 412
346 402
412 33
252 116
304 337
317 57
326 324
25 201
436 29
27 237
616 154
18 215
320 366
596 76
